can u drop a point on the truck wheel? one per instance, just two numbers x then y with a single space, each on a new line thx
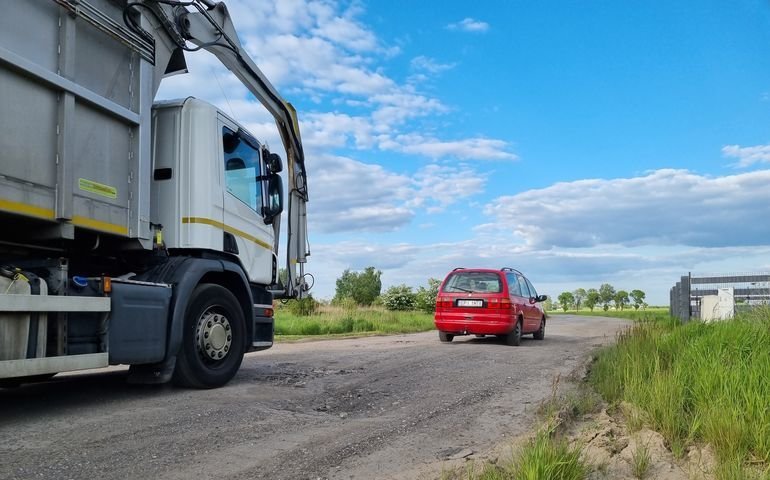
445 337
213 343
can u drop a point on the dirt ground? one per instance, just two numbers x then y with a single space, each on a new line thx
390 407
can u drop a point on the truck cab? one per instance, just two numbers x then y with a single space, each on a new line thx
214 186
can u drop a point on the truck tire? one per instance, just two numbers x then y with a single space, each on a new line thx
213 341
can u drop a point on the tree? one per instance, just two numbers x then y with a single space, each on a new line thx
363 287
606 295
621 299
400 297
592 298
579 295
548 304
566 299
426 297
638 297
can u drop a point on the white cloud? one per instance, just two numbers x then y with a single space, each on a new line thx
747 156
664 207
469 25
430 65
438 186
347 195
468 149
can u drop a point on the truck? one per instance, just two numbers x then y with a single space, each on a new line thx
136 232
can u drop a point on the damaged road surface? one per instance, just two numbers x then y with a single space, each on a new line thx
373 407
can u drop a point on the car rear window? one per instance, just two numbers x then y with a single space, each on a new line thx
480 282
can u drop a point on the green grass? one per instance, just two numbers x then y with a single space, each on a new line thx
650 313
338 321
697 383
640 461
544 457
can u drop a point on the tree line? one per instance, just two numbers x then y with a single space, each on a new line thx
604 296
364 288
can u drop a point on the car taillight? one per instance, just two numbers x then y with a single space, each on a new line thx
499 303
443 302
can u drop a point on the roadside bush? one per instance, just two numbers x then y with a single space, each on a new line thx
304 307
426 297
346 303
399 298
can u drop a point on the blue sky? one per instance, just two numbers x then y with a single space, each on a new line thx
581 142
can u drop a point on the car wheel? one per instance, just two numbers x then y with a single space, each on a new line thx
514 338
445 337
540 334
214 338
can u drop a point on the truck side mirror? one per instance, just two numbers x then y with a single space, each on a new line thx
274 205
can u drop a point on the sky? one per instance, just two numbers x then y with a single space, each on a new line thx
581 142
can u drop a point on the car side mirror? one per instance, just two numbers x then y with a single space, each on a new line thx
274 205
541 298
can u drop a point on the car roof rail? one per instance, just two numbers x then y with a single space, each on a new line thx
509 269
458 268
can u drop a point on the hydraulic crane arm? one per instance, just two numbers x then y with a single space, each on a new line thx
207 25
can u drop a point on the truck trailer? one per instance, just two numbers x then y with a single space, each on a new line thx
137 232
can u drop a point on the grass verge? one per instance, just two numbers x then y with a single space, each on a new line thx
698 383
338 321
656 314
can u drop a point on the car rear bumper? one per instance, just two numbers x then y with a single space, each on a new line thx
488 326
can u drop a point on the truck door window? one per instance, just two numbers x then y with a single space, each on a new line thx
242 170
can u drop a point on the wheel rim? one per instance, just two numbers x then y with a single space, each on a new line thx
213 336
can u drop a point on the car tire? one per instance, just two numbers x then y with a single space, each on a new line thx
540 334
445 337
213 314
514 338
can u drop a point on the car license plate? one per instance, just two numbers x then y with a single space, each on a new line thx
470 303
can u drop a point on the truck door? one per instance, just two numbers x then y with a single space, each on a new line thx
245 232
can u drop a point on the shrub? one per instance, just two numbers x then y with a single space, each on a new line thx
426 297
399 297
304 307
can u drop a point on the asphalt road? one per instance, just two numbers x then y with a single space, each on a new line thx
374 407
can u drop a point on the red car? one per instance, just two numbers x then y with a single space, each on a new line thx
489 302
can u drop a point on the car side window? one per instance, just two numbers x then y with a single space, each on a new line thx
513 284
524 289
532 290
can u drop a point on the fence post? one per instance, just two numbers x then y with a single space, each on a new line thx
684 299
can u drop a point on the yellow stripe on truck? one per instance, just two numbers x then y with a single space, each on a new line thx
86 222
228 229
26 209
48 214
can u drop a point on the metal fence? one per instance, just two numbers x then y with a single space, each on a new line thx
749 289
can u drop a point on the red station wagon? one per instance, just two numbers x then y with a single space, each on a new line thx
489 302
